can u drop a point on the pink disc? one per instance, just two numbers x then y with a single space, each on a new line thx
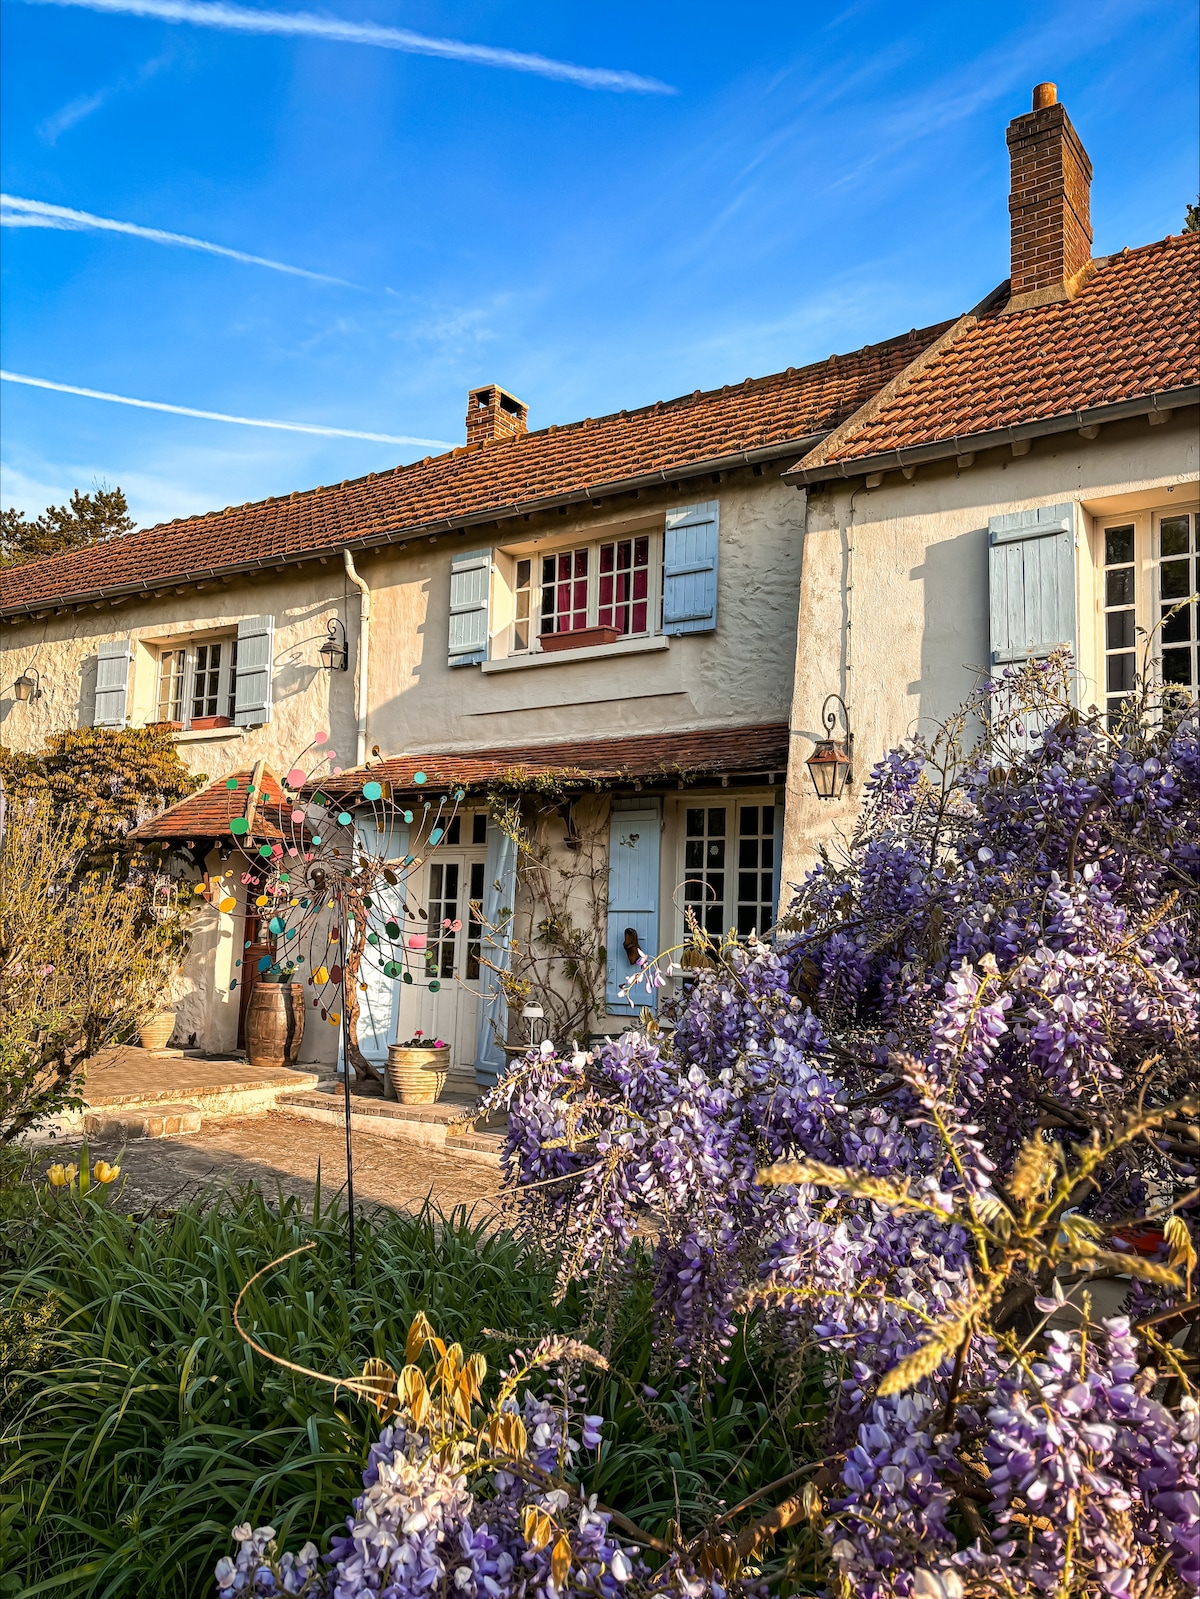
320 738
297 777
297 816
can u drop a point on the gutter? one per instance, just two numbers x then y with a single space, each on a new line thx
364 642
410 533
964 443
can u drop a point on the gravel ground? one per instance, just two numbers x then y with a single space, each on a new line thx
279 1151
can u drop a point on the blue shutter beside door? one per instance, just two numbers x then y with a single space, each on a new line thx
690 568
1031 582
255 662
470 585
499 902
634 839
112 683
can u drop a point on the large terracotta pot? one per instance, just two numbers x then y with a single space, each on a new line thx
274 1024
417 1075
155 1030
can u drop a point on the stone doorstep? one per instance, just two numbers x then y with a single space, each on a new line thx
161 1120
384 1118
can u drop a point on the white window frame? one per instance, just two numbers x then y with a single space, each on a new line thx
1147 561
190 649
508 566
675 853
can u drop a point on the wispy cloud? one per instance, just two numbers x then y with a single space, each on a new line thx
305 24
77 110
220 416
18 213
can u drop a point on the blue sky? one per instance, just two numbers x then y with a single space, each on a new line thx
817 178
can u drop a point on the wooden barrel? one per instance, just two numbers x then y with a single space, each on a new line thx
268 1024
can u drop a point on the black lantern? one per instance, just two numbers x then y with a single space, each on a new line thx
335 652
830 763
28 686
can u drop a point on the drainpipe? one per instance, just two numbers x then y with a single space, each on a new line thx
364 641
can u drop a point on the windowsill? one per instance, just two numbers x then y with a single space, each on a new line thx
597 652
204 735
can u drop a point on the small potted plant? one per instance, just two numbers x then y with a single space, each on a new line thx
417 1069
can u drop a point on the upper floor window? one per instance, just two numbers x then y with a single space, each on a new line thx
1151 577
197 683
606 585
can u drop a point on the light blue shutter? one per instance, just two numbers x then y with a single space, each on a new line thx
470 584
634 839
378 1008
690 568
255 659
1031 582
499 903
112 682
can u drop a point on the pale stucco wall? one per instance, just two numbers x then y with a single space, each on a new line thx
741 674
894 611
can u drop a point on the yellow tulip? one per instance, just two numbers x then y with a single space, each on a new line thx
57 1175
104 1173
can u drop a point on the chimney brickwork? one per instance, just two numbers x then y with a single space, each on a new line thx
494 413
1049 204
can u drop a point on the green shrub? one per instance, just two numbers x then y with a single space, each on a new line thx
147 1428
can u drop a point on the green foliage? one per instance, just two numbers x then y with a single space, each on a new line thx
81 960
110 779
153 1429
89 519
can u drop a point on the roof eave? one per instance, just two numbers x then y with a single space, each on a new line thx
967 443
412 532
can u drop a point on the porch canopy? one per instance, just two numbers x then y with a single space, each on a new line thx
668 760
254 794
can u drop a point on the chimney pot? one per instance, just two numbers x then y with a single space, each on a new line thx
1044 94
494 413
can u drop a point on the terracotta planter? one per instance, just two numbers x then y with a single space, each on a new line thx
417 1076
580 639
274 1024
154 1030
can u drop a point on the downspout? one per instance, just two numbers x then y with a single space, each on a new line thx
364 648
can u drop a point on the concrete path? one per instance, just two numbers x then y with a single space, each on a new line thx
279 1151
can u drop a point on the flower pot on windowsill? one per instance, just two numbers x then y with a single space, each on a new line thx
581 638
417 1076
199 722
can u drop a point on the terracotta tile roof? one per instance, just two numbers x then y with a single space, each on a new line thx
480 481
208 812
699 752
1130 333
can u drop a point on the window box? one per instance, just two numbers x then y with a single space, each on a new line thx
211 721
579 638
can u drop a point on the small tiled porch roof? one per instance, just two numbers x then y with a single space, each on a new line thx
208 813
647 757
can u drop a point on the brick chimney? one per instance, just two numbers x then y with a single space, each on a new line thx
1050 205
494 413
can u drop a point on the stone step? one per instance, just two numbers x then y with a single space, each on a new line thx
126 1122
418 1124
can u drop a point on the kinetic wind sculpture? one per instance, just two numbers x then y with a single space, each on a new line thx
333 890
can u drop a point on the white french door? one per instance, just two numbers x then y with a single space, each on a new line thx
443 999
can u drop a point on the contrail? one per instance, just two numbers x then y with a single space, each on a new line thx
240 19
17 213
220 416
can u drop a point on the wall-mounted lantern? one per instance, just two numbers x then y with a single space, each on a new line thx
28 686
830 764
335 652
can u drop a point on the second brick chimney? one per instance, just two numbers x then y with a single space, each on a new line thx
1049 204
494 413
